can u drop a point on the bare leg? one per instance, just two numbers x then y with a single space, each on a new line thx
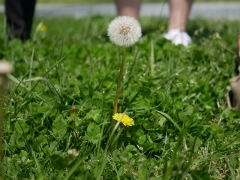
128 7
179 11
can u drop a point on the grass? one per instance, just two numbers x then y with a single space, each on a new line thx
61 95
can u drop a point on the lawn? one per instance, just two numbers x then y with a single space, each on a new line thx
59 104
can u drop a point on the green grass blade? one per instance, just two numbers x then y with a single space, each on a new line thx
170 119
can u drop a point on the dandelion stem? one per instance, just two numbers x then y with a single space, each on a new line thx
1 115
115 108
4 70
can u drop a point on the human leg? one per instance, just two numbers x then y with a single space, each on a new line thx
179 12
19 14
14 15
28 14
128 7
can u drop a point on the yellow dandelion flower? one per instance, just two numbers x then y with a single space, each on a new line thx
43 28
74 111
125 119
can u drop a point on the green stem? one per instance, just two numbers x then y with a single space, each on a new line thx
115 107
1 126
2 92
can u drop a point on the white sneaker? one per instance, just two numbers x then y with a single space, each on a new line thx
178 37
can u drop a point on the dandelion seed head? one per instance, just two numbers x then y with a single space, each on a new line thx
125 119
124 31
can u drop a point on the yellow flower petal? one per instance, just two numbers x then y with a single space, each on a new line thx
43 28
125 119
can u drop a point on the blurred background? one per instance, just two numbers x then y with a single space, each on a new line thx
109 1
225 9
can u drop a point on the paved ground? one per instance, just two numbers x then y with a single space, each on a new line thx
202 10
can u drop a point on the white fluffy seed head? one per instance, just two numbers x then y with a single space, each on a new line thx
124 31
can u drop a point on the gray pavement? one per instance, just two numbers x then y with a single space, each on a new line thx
230 10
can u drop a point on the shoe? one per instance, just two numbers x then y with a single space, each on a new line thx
233 96
178 37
